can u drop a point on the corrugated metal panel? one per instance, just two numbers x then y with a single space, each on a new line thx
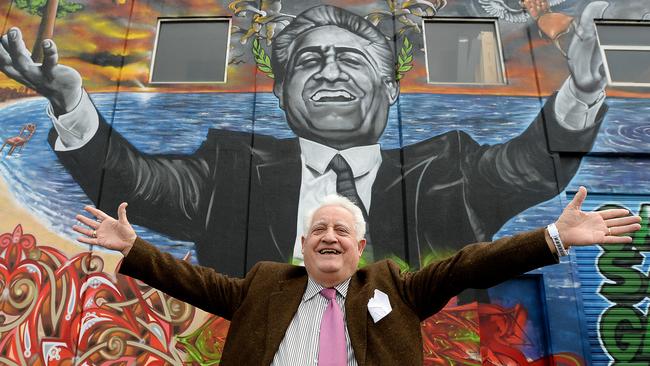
612 337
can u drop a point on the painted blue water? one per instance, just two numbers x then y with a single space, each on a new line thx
178 123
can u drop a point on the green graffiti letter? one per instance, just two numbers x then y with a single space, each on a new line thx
622 329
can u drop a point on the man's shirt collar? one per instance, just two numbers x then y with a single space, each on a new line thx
314 288
360 158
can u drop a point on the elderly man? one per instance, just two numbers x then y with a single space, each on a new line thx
278 317
335 80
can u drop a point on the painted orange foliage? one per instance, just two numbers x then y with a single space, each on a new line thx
111 42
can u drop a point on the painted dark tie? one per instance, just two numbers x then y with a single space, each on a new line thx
346 187
345 182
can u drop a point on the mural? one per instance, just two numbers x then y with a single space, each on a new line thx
320 98
625 288
59 310
335 80
616 291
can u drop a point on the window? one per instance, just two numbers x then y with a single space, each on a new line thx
191 50
625 48
463 51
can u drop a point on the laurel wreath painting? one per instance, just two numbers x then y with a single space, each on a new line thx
267 19
404 59
262 60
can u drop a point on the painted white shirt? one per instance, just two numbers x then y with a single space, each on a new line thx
317 181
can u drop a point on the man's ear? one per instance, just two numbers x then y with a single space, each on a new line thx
392 88
362 246
302 244
277 90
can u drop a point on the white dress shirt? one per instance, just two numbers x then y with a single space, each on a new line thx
300 343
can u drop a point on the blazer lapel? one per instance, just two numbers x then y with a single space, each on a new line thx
356 310
283 305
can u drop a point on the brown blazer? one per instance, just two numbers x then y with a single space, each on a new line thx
261 305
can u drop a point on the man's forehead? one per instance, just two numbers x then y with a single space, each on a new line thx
333 214
330 36
331 220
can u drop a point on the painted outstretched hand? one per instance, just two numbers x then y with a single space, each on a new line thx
105 231
577 227
585 60
60 84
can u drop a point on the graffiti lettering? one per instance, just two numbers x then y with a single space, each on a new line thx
623 327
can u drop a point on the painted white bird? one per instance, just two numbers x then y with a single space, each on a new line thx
516 11
551 25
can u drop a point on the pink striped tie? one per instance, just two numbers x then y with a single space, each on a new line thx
332 349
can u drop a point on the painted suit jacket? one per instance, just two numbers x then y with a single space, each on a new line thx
236 197
261 305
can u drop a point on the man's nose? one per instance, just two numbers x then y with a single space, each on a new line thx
331 71
330 236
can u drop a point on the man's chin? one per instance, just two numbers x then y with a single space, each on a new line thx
333 117
329 266
335 123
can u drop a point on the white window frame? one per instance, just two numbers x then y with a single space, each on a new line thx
465 20
604 48
186 20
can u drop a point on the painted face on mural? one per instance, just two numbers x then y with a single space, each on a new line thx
333 92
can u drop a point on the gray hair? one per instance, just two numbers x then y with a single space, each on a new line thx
338 201
324 15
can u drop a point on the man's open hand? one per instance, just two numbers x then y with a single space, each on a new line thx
578 227
105 231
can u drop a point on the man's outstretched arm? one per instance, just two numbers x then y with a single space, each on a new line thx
581 96
484 265
100 158
199 286
71 111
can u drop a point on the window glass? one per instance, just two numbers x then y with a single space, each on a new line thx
626 51
463 51
627 66
623 34
191 51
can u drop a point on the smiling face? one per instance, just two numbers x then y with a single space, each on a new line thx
331 250
333 92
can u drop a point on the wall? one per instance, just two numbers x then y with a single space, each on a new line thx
460 163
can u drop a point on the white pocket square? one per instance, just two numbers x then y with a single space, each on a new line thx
379 306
